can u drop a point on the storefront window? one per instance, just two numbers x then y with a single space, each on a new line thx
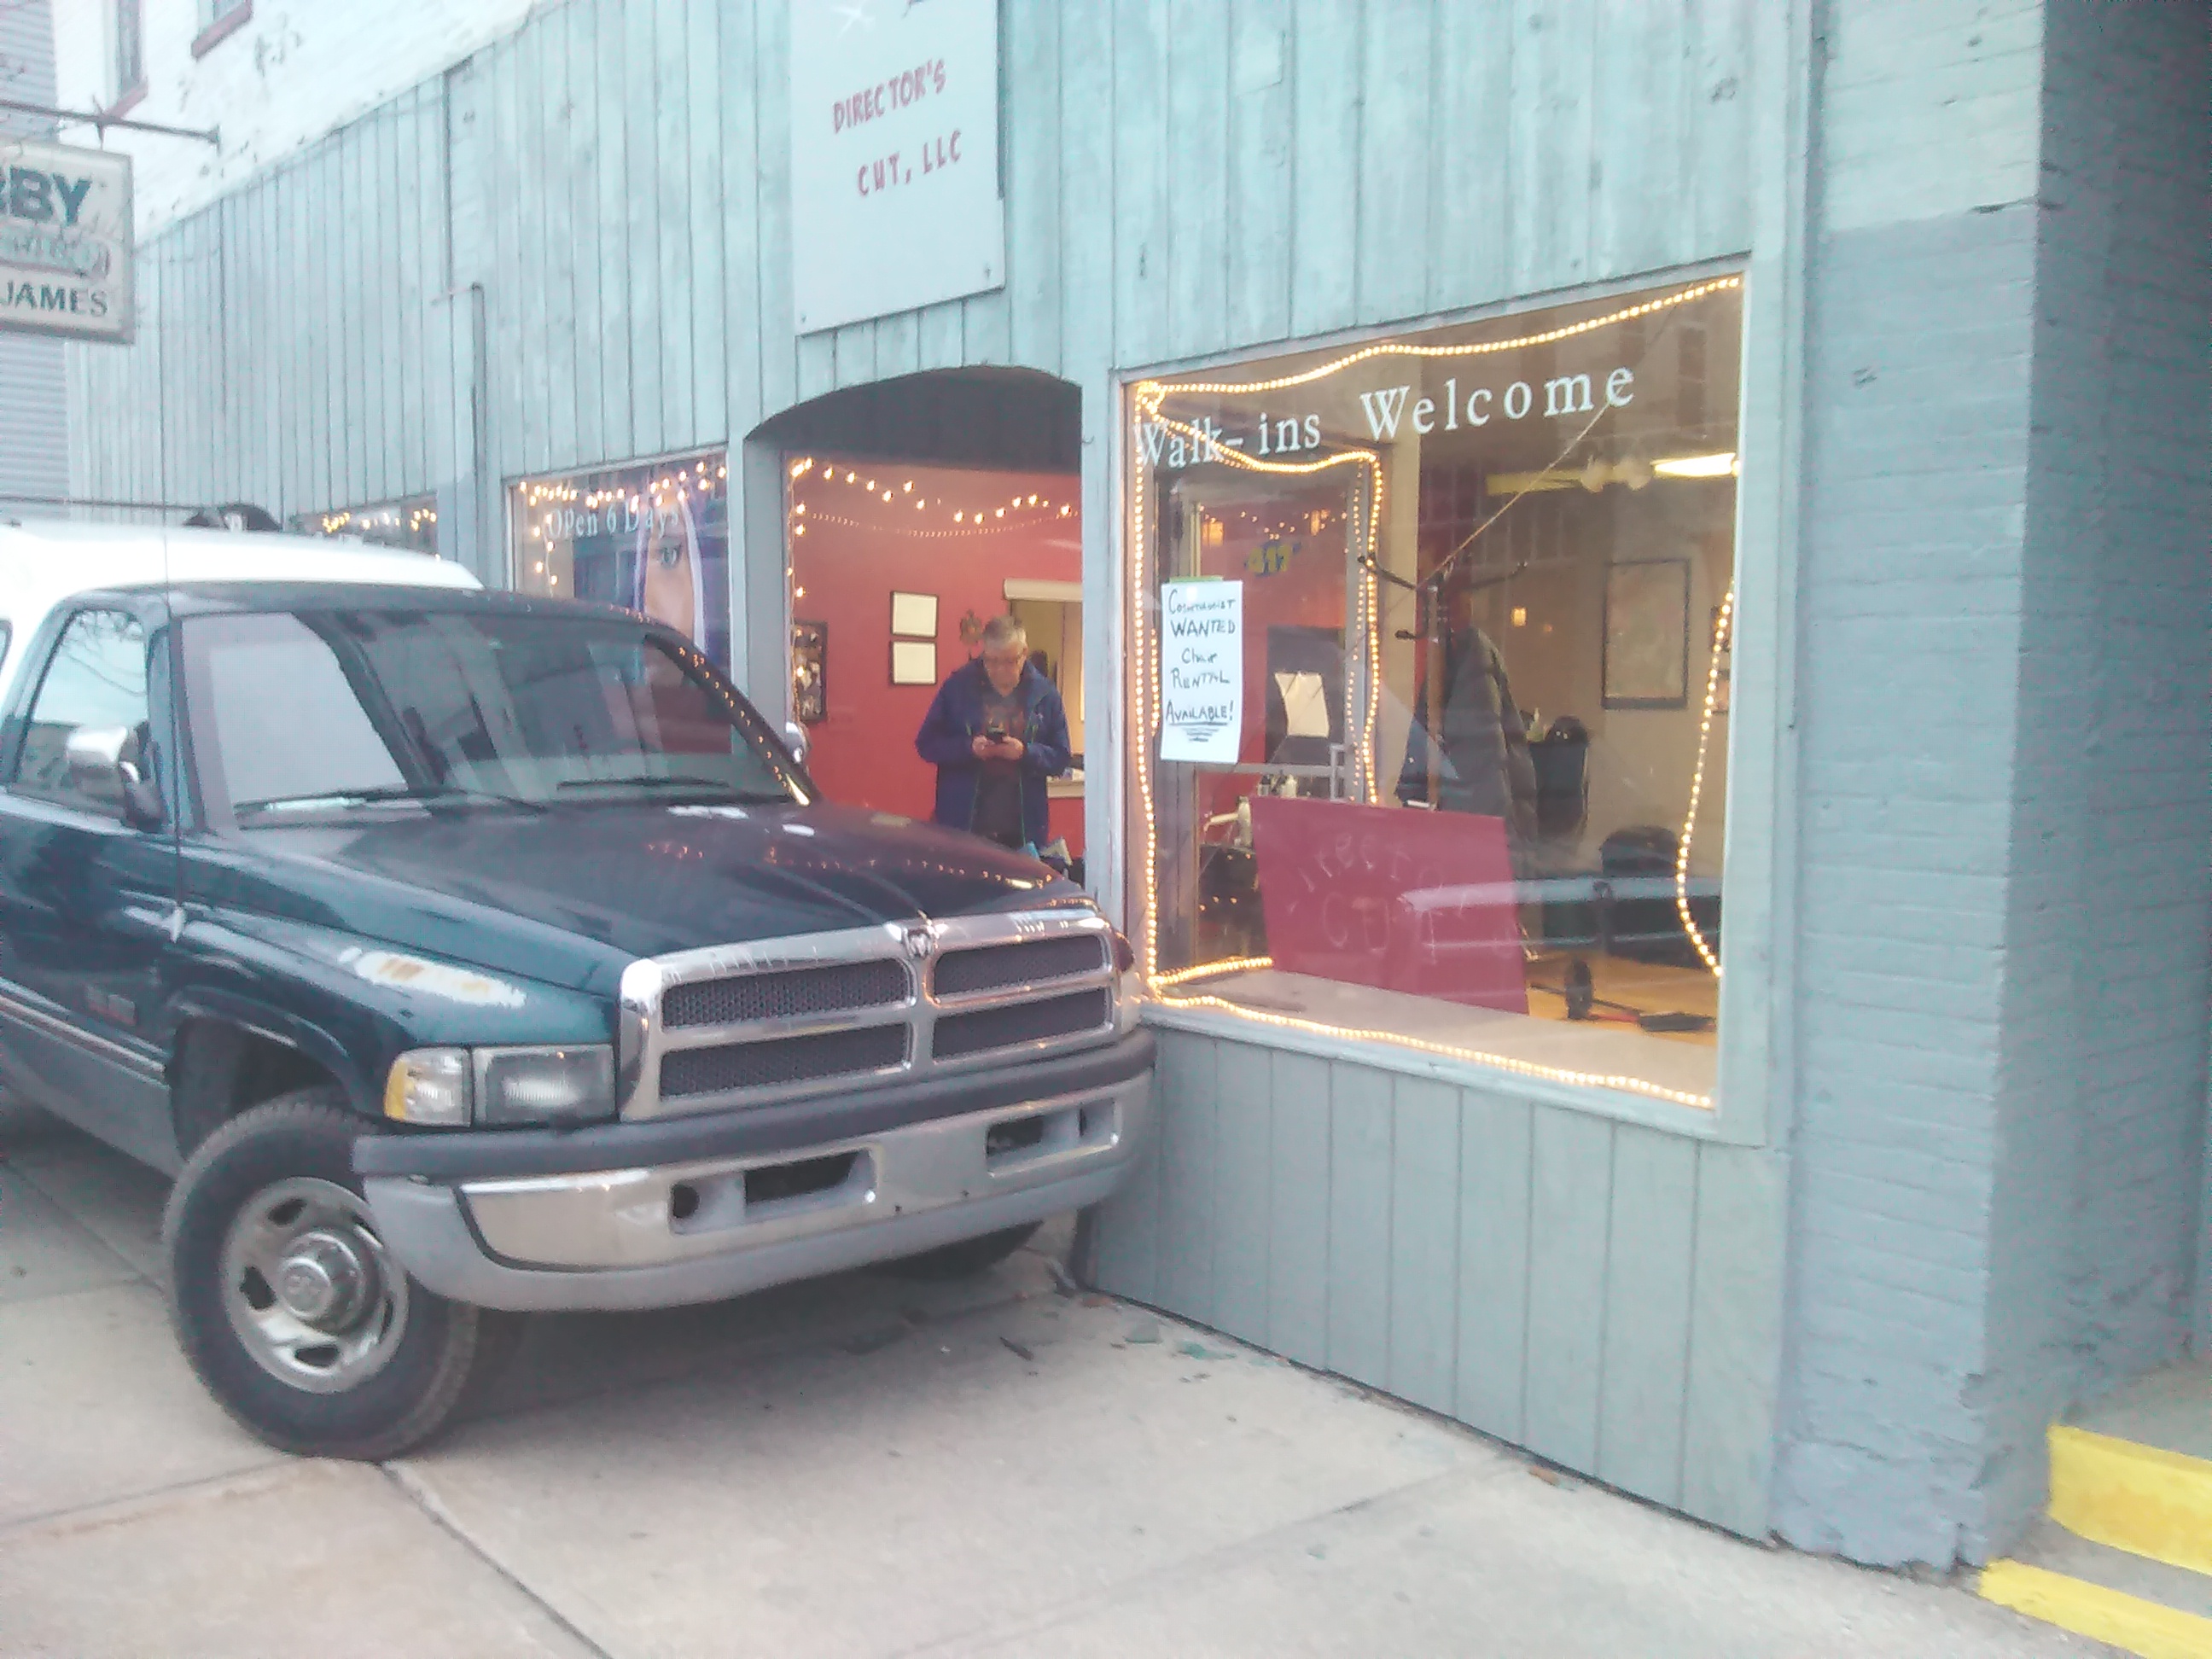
1432 645
653 538
411 524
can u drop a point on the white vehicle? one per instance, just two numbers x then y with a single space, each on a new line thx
43 562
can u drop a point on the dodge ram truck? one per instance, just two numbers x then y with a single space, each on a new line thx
463 955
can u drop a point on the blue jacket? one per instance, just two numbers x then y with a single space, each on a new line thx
956 718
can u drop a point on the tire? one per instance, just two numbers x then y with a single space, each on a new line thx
964 1259
272 1193
499 1337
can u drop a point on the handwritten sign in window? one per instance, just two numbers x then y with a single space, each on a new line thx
1201 670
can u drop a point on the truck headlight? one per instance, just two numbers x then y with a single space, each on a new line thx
429 1086
452 1088
561 1085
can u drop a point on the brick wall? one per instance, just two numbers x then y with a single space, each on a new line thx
2111 825
2001 976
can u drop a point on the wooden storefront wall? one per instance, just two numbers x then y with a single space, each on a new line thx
1607 1295
573 250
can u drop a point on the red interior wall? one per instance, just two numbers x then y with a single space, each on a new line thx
851 550
1304 585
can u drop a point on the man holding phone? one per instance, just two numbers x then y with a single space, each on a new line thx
995 732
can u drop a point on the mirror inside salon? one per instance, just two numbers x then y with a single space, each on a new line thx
1449 762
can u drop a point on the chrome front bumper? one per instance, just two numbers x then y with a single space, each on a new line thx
671 1233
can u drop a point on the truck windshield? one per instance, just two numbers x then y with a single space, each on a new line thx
303 713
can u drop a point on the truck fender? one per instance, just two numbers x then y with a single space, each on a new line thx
276 1026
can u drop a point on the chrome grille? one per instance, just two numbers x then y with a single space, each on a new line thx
821 1014
1029 962
1018 1022
742 999
781 1059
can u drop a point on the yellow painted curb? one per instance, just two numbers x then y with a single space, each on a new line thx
2126 1621
2140 1498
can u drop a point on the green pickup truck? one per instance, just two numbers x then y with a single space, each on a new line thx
464 955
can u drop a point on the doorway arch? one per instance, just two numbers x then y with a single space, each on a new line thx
951 443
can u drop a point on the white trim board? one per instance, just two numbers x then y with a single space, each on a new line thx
1024 588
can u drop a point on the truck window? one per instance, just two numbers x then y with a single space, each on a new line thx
96 677
339 711
275 678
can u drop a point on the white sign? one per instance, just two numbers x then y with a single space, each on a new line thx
1201 670
64 241
894 156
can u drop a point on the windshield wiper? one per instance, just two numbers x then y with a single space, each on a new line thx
689 786
402 792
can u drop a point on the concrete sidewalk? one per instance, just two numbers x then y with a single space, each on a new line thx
864 1467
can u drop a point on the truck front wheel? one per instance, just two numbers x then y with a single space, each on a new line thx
287 1305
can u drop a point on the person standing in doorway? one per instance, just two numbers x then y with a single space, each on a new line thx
995 732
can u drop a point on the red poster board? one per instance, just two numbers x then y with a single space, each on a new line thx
1389 896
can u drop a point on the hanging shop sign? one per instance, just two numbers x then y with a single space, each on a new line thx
64 241
895 198
1201 670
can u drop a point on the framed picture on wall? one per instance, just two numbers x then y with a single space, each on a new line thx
809 672
1647 635
914 615
913 662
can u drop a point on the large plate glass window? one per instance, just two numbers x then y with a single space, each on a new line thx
653 538
1432 680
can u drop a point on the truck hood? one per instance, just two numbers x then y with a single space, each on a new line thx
570 895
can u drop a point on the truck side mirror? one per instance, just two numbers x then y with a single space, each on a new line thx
104 760
794 739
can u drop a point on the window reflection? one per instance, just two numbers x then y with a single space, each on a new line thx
1477 792
653 538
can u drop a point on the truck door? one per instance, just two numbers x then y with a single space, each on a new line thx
88 878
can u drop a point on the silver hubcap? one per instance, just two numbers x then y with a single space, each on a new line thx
308 1287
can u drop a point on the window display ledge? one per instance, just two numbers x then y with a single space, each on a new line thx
1213 1019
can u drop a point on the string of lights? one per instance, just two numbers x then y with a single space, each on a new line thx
1148 399
971 517
704 477
800 519
1472 348
364 520
1721 633
1625 1084
1210 969
1142 735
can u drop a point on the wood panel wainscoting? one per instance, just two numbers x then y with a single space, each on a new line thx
1607 1295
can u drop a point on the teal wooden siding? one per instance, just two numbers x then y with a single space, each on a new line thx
1608 1296
1183 178
574 250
